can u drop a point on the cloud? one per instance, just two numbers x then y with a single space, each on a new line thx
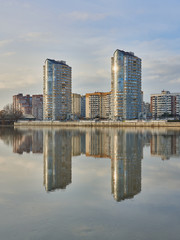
36 36
175 80
25 79
7 54
163 70
5 42
84 16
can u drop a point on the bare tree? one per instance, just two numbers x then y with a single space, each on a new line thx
8 113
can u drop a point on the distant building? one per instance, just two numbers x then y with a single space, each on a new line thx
29 105
76 104
83 106
165 104
22 103
142 102
37 106
147 110
125 85
98 104
57 90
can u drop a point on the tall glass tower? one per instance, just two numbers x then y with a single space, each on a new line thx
56 90
125 85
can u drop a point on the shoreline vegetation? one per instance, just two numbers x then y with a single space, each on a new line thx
98 124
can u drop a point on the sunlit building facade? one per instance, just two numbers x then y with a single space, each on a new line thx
165 104
125 85
76 104
57 90
98 104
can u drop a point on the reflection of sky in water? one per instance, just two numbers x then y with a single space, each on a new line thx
85 207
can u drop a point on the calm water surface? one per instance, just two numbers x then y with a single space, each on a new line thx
89 184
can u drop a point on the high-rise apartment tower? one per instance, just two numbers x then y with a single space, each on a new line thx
125 85
57 90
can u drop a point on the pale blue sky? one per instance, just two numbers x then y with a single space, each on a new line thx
85 33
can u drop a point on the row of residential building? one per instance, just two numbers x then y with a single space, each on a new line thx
123 102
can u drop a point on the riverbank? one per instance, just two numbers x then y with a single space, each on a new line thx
99 124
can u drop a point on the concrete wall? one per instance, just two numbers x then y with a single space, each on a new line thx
99 124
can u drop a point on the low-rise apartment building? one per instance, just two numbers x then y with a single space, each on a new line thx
98 104
165 104
29 105
76 104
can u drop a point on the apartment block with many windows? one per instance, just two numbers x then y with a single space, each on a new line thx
125 85
22 103
57 90
165 104
98 104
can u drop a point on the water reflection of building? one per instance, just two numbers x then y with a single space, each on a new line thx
125 149
76 143
166 145
126 155
123 146
98 143
57 159
31 141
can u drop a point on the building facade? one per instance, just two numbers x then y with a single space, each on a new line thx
98 104
83 106
56 90
76 104
125 85
29 105
165 104
37 106
22 103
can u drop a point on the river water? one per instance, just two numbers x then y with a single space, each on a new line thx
89 183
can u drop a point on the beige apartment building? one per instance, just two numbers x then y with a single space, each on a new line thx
98 104
76 104
165 104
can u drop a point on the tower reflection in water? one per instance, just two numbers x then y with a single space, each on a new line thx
123 147
57 159
126 155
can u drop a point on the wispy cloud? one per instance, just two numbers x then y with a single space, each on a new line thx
5 42
26 79
7 54
84 16
175 80
163 70
36 36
